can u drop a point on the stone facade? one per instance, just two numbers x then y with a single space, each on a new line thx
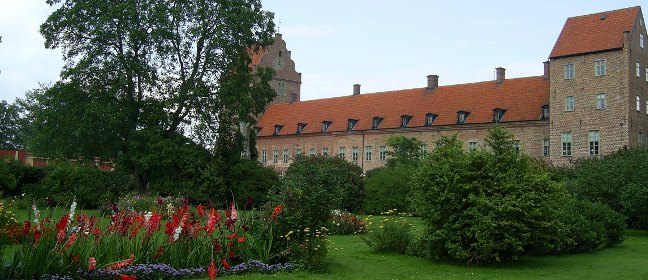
287 81
608 110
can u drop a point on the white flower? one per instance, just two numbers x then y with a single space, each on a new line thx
147 216
72 209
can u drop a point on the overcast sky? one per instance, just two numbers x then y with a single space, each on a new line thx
335 44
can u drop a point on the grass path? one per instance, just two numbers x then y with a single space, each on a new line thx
352 260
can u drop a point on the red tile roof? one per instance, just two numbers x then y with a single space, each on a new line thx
522 98
594 33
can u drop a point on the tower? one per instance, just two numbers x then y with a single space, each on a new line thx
287 81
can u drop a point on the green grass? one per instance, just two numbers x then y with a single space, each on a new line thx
353 260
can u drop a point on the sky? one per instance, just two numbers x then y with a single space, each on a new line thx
378 44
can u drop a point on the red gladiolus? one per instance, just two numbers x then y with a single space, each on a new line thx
232 253
159 253
26 228
123 263
62 224
37 235
234 235
225 264
241 239
92 264
201 210
277 210
127 277
60 236
73 237
75 259
217 246
212 271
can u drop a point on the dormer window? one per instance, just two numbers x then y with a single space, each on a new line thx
498 114
376 122
544 115
300 128
462 116
257 130
277 129
326 125
405 119
429 119
351 124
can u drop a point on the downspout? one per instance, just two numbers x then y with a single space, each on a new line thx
362 155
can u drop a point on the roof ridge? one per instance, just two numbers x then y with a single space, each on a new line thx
603 12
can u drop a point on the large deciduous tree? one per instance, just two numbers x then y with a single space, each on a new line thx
10 126
166 67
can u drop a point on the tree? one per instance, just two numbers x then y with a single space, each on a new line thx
404 150
176 67
10 126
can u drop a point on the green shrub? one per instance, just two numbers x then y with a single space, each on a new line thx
387 188
485 206
8 179
345 223
590 226
249 183
619 180
391 234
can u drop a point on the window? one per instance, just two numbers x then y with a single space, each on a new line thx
354 153
640 138
600 101
566 140
646 74
275 156
286 155
594 136
569 71
382 153
545 147
600 67
311 152
423 149
569 103
638 102
351 124
298 152
405 119
300 128
461 117
282 174
544 115
277 129
641 40
472 146
342 153
498 114
638 69
257 130
325 126
368 153
516 145
264 155
429 119
646 106
325 152
281 89
376 122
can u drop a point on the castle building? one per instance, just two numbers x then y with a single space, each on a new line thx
595 84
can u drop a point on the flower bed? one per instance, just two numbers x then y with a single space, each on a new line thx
192 242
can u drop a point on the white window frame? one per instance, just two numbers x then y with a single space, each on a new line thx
325 151
472 146
641 40
638 69
566 143
569 71
264 155
311 152
286 155
281 89
275 156
646 74
355 151
601 102
594 140
383 153
638 103
298 152
342 153
569 103
600 67
368 153
545 147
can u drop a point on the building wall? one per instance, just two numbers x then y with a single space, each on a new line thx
530 135
638 119
287 75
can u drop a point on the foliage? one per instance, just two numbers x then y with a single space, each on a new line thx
485 206
8 180
159 66
11 126
66 181
388 188
10 230
82 247
619 180
406 151
345 223
249 182
392 234
590 226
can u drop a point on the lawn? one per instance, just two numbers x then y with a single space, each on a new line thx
352 260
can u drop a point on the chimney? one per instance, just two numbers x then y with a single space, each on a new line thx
432 82
546 70
356 89
500 75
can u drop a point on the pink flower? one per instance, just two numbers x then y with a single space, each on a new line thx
213 273
92 264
